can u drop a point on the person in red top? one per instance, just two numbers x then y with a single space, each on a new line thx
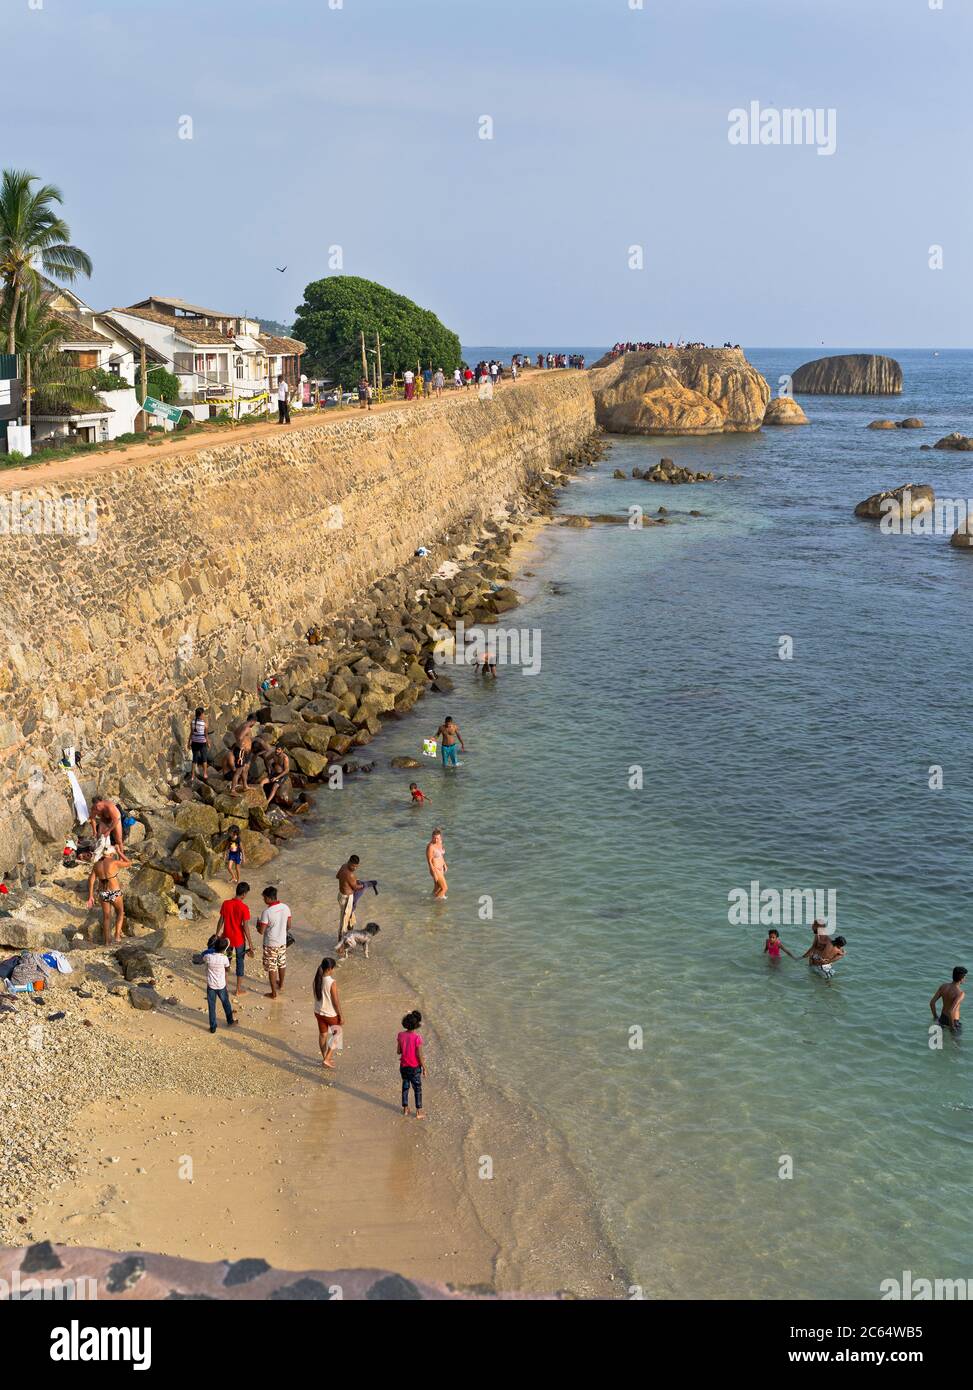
234 916
418 797
412 1062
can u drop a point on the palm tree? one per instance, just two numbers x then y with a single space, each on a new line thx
32 232
51 380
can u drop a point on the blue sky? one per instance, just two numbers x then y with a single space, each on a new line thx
358 127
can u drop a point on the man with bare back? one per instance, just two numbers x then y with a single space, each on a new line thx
950 996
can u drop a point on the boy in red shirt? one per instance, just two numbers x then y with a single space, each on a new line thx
418 797
234 916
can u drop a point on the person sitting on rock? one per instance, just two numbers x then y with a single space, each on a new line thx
278 767
106 825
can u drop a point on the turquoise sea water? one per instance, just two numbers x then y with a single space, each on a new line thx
660 649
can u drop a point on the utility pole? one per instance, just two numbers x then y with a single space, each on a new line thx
145 385
364 362
378 363
27 390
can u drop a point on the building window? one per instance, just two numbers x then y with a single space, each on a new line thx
238 367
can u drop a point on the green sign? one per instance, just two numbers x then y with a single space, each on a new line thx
168 412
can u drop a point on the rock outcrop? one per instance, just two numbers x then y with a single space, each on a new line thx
675 391
852 374
962 443
904 502
784 410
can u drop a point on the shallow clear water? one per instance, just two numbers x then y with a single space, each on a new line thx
610 904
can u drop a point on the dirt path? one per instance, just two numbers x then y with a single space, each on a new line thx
131 456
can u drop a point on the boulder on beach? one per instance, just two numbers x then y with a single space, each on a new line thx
679 391
849 374
906 501
784 410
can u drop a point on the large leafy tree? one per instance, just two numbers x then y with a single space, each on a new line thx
337 310
34 238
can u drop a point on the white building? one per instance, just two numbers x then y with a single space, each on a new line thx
90 343
223 362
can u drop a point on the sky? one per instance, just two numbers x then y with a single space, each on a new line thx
359 125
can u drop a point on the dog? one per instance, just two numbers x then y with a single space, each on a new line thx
353 939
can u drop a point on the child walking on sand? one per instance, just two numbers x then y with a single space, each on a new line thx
234 855
214 958
412 1063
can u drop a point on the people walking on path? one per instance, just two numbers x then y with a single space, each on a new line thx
436 860
364 394
327 1011
409 382
233 924
412 1062
273 925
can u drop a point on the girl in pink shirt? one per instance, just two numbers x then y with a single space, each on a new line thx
411 1061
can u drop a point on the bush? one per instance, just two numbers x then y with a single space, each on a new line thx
107 381
163 385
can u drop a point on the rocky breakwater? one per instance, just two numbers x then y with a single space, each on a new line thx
679 391
849 374
209 567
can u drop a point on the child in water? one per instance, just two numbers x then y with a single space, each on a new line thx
411 1061
234 855
418 797
773 945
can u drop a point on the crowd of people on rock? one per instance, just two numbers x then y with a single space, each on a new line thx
679 346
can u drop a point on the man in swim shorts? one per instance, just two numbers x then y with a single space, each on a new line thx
104 873
950 996
823 954
450 741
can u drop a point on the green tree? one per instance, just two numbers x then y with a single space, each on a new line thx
163 385
338 309
32 234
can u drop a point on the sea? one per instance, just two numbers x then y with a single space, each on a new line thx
769 693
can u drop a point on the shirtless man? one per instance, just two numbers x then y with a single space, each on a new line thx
951 996
278 767
823 954
104 872
450 740
436 860
348 886
243 752
106 824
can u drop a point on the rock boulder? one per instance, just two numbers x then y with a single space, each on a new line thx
849 374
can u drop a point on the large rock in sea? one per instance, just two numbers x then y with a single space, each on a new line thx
961 442
962 537
675 391
784 410
906 501
853 374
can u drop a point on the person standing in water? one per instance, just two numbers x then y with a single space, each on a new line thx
327 1011
348 886
436 859
412 1063
773 945
450 741
950 996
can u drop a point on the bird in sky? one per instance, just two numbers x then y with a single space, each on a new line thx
281 268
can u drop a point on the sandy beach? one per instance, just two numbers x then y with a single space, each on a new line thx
176 1141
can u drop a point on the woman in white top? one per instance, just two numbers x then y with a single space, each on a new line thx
327 1011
